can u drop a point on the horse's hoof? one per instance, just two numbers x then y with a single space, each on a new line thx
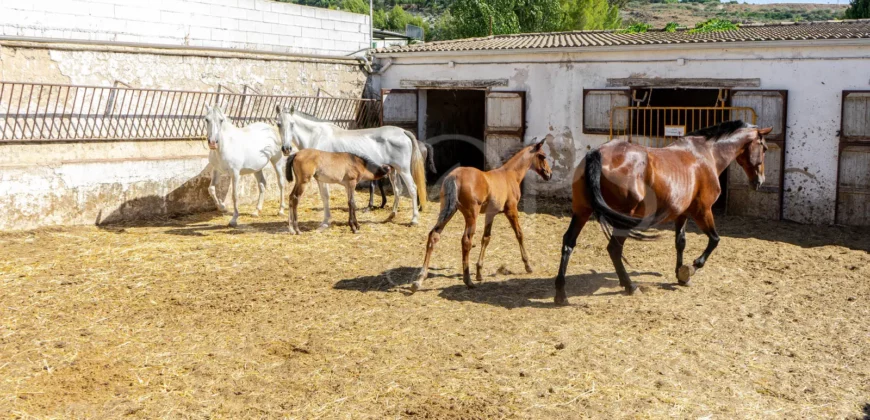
560 300
281 213
415 286
256 214
390 217
529 269
684 274
633 290
414 222
233 223
323 227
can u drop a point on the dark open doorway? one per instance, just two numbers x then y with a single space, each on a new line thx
455 124
679 99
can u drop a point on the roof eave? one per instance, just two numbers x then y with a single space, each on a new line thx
628 48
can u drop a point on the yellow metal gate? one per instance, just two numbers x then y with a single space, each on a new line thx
653 126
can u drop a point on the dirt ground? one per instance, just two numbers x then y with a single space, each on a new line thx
188 318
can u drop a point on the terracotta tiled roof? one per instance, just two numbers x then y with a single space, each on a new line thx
847 29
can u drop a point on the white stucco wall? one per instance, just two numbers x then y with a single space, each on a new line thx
262 25
815 77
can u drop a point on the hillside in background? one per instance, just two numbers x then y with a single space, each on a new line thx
689 14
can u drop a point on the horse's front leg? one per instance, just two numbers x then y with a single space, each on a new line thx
569 241
212 191
372 195
293 213
487 232
324 196
261 185
351 207
279 171
513 217
680 245
707 225
235 220
383 194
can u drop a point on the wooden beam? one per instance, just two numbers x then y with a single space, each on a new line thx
657 82
452 84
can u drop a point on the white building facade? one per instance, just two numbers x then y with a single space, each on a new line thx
808 81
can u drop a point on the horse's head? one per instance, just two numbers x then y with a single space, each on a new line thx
382 171
539 161
214 119
751 157
285 128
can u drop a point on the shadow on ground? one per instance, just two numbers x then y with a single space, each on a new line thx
512 293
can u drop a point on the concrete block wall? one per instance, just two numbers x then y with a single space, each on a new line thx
261 25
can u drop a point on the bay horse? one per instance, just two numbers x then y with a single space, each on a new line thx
385 145
242 151
629 188
471 192
329 168
428 155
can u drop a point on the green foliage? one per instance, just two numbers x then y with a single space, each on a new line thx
589 15
355 6
714 25
672 27
858 9
636 28
474 18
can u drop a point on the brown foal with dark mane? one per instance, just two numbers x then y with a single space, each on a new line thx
472 191
629 188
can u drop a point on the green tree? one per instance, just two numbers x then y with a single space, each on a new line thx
858 9
355 6
474 18
589 15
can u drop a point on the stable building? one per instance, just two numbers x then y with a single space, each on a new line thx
478 100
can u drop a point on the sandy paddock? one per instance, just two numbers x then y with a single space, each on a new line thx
189 318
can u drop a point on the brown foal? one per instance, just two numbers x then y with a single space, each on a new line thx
329 168
629 188
472 191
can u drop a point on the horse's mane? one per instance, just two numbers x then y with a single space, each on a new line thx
719 131
313 118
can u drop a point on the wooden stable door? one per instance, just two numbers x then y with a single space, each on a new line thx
400 108
771 108
853 172
505 126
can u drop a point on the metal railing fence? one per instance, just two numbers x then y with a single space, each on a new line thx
36 112
660 126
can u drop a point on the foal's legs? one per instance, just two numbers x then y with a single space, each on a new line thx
351 207
383 194
293 217
467 237
212 190
235 220
487 231
434 237
261 184
615 249
514 218
569 241
372 195
279 170
707 225
324 195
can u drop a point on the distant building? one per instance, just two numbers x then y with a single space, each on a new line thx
385 39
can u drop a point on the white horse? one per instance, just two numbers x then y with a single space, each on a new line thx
241 151
386 145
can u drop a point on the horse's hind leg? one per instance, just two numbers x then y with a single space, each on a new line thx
487 232
383 194
412 189
293 213
707 225
569 241
397 192
514 218
434 236
680 245
467 237
261 185
212 191
615 249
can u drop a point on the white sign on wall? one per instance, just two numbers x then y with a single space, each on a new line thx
675 130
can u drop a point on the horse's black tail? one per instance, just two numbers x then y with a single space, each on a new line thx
451 200
430 157
608 218
288 170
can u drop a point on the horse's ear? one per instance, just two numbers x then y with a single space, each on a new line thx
207 108
278 109
292 108
765 131
539 145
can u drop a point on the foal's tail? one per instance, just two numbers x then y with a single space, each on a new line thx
607 217
449 202
418 170
288 170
